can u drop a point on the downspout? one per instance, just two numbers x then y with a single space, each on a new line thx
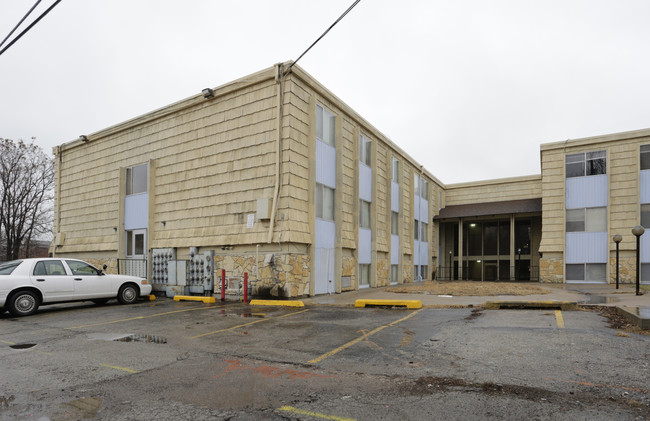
279 79
57 194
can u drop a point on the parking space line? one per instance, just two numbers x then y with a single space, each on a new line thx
559 319
313 414
245 324
139 317
128 370
360 338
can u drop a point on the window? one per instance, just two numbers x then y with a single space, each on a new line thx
424 193
583 164
586 220
424 271
364 214
395 171
364 275
394 223
645 216
590 272
81 268
424 237
416 231
325 126
416 185
394 273
135 243
8 267
364 152
49 268
136 179
645 157
324 202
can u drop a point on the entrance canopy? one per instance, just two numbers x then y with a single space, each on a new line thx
491 208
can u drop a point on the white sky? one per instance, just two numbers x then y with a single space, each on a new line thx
469 88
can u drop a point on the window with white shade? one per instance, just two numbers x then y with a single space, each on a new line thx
395 171
586 220
364 150
324 202
325 126
136 179
364 214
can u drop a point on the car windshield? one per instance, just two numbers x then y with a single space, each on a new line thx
7 267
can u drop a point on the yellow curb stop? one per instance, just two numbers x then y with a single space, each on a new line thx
538 305
412 304
205 300
283 303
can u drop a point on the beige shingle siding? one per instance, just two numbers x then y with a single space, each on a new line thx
623 178
624 208
382 202
406 229
214 160
494 190
349 183
295 165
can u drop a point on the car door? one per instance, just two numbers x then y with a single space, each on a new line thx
52 279
88 282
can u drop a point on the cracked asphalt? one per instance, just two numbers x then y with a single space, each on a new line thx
169 360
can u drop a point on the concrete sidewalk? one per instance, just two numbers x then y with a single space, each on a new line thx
583 294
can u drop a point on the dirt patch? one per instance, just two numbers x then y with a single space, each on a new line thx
617 321
468 288
430 385
476 313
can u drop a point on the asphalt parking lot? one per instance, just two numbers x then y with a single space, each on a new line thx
169 360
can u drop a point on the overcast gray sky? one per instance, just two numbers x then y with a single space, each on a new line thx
469 88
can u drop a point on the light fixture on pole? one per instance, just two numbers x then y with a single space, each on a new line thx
617 239
638 232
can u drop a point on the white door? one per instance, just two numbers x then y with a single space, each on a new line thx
52 279
136 252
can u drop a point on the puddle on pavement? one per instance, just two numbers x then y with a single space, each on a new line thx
142 338
246 314
601 299
88 407
21 346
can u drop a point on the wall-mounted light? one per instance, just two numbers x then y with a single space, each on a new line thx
207 93
164 223
83 138
114 229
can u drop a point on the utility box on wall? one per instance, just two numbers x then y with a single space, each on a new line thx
263 208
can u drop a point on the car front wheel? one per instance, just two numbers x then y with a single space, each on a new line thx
128 294
23 303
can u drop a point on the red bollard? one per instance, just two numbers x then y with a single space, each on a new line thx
245 287
223 285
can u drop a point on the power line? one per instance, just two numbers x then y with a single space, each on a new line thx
20 23
324 33
29 27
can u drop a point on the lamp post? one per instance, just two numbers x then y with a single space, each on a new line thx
617 240
451 258
638 232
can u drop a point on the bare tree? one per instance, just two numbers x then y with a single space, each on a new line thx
26 184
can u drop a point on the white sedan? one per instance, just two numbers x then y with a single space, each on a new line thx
28 283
